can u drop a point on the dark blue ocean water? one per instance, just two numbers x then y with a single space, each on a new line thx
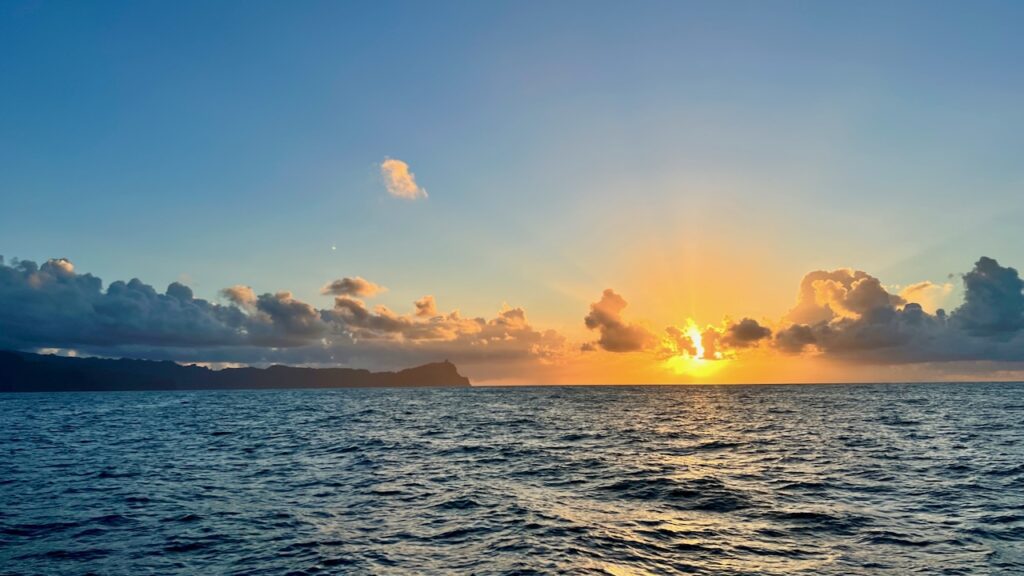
889 479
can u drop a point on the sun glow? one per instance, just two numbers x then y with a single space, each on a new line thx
692 359
698 341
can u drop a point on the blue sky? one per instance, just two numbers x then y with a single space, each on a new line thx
566 146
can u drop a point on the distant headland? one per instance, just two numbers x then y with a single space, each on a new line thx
27 372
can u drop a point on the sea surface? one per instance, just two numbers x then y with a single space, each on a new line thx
873 479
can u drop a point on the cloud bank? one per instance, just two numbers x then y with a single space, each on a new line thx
844 315
53 306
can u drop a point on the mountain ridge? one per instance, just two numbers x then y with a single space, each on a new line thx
29 372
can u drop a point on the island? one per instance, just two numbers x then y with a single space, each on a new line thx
28 372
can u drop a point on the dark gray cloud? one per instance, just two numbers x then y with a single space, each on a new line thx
795 338
293 321
617 335
993 300
745 333
52 305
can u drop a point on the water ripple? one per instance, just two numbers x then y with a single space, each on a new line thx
894 479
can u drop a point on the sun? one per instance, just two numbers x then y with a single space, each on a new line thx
694 363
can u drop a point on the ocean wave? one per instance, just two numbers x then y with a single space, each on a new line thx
821 480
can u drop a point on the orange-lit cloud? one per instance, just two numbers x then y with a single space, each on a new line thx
426 307
242 296
400 181
842 293
357 286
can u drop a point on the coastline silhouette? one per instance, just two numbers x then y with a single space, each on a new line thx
26 372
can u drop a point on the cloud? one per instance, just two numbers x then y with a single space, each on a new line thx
425 324
745 333
679 342
888 329
795 338
616 335
849 312
240 295
712 342
426 307
843 293
505 345
292 319
357 286
400 181
53 306
993 301
179 291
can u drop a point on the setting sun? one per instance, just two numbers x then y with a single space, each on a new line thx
690 358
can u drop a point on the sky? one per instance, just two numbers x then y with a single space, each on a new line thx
514 161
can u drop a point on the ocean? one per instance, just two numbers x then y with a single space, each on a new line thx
812 479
